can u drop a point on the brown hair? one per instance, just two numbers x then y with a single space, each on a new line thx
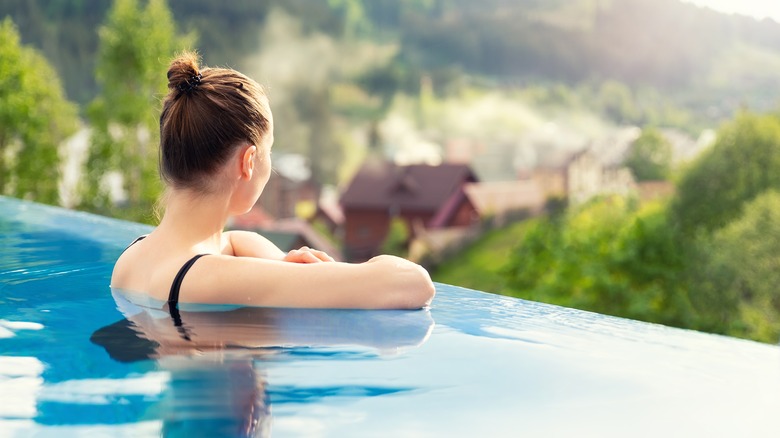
206 115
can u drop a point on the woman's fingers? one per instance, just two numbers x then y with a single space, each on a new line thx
301 256
307 255
321 255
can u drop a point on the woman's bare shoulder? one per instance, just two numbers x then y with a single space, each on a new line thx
123 267
144 267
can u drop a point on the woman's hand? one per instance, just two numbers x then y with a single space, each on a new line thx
307 255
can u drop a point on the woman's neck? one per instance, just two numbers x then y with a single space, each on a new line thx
195 220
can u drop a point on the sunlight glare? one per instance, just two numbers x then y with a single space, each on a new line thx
758 9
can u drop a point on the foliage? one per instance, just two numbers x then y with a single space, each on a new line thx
135 46
651 256
745 254
64 32
322 229
397 240
312 100
616 256
709 61
35 118
650 156
616 101
479 266
743 162
609 256
708 261
353 13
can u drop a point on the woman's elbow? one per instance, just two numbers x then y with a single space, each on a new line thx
404 285
426 289
417 290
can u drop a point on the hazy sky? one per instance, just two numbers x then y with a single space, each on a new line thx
754 8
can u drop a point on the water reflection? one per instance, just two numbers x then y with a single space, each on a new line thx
213 396
216 355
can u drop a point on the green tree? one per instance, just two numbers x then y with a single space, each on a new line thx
617 102
136 43
745 253
650 156
608 256
743 162
397 240
35 117
651 257
354 16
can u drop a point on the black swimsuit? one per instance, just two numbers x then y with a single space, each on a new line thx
173 295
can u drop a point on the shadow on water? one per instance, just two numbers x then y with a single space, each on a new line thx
216 357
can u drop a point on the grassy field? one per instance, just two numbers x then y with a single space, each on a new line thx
478 266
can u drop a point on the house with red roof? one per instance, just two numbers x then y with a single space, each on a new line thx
423 196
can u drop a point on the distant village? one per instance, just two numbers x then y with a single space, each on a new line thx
446 205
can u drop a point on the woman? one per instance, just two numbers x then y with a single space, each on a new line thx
216 132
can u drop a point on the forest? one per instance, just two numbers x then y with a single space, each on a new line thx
348 77
702 61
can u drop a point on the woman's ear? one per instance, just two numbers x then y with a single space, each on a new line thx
248 161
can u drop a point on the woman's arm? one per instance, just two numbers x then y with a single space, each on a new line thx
249 244
384 282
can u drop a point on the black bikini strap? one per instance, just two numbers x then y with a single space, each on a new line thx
137 239
173 296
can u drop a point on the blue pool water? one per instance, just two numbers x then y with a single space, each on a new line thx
77 361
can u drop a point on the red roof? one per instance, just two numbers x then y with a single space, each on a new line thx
416 187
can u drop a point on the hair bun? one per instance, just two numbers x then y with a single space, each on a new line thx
184 73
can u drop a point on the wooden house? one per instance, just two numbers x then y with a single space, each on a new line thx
431 197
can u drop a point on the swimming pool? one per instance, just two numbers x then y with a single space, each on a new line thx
75 361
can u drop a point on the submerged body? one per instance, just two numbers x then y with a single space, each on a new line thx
216 137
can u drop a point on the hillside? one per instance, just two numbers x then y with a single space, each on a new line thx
707 62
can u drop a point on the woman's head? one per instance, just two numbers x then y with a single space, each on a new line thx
207 117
